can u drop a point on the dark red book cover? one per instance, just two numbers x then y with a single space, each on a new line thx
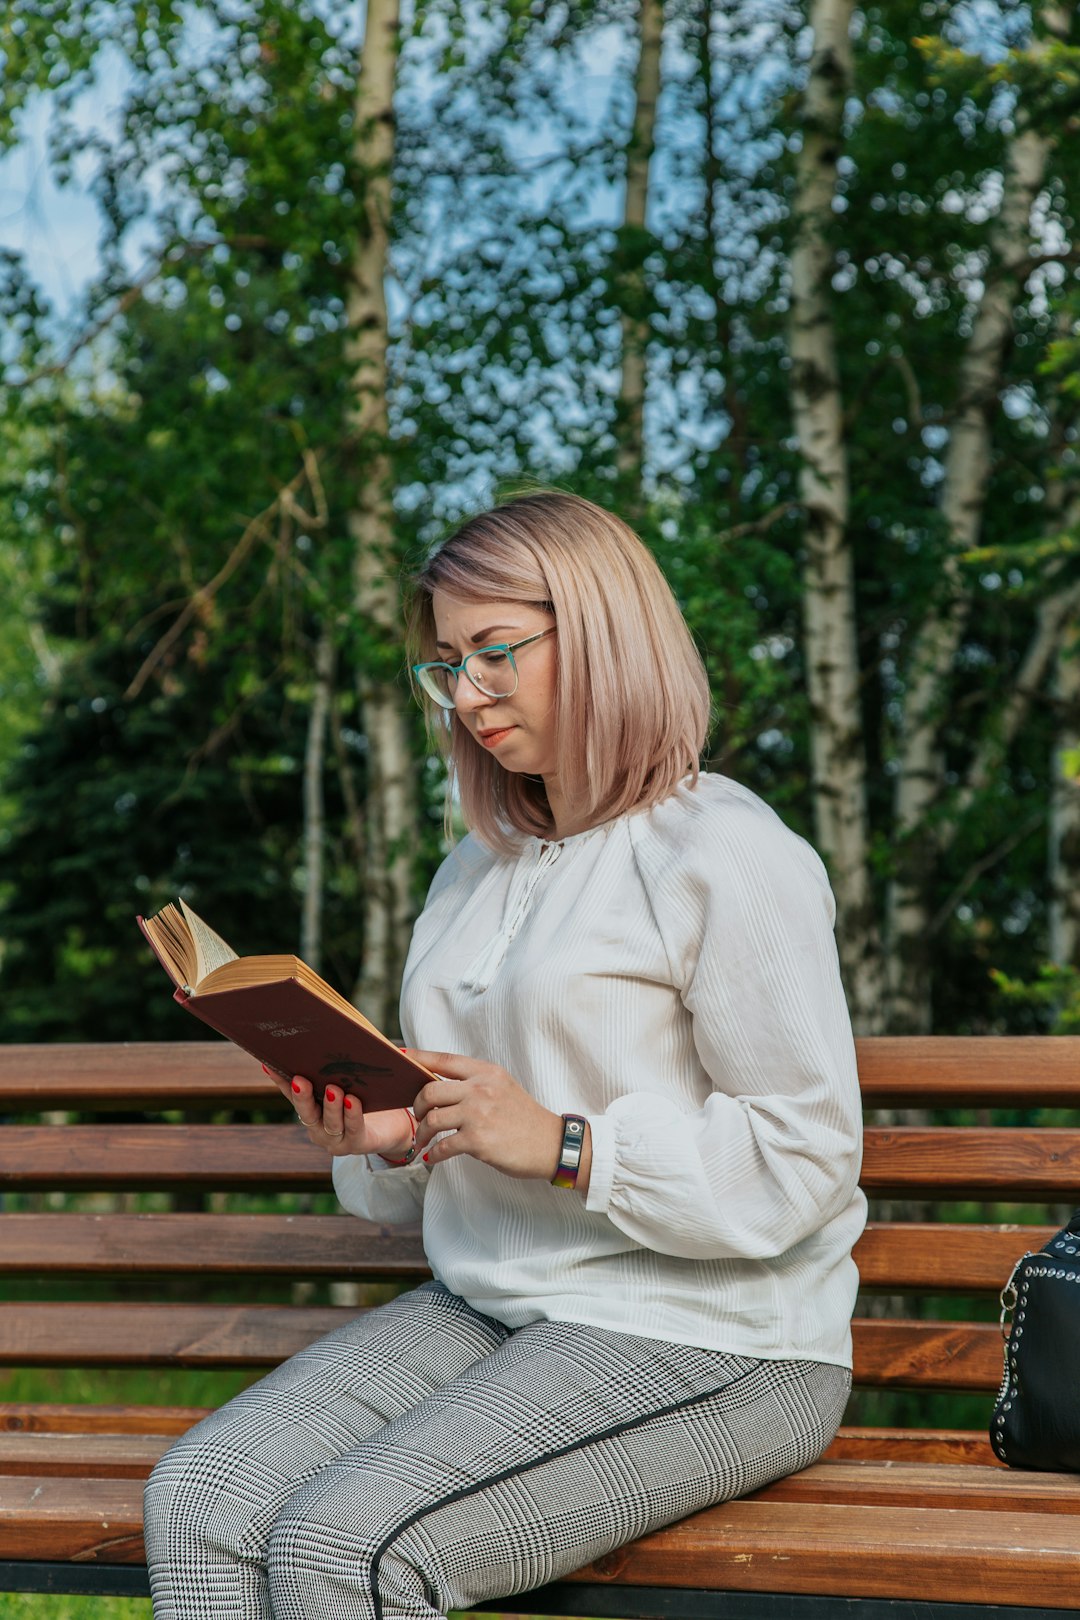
290 1028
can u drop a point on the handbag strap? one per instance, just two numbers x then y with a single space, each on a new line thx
1068 1239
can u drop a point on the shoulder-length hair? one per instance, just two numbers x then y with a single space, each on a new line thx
632 704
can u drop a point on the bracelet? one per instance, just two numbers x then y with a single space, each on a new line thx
573 1140
411 1155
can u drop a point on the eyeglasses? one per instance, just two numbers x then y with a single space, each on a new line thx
491 670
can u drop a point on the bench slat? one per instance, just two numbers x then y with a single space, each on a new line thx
135 1075
95 1456
155 1335
968 1161
942 1162
71 1519
927 1355
922 1484
126 1441
210 1245
956 1071
925 1255
900 1256
132 1455
858 1443
161 1157
760 1544
895 1071
39 1417
900 1354
916 1553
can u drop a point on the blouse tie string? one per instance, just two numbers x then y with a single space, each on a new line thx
482 971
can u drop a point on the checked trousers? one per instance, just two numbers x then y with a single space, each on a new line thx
425 1457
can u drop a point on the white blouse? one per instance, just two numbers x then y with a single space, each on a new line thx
671 975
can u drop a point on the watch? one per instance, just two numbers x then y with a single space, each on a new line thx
573 1140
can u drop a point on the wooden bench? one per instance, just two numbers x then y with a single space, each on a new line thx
891 1517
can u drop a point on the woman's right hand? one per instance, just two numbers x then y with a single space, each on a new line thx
340 1126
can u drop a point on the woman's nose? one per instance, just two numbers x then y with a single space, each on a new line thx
468 696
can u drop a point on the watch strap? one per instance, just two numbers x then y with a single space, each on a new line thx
573 1140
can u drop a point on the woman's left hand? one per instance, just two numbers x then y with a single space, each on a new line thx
492 1118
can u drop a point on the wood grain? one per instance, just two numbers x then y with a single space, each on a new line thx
890 1256
74 1158
917 1553
209 1245
40 1417
157 1335
125 1442
927 1355
71 1519
920 1554
890 1354
898 1161
895 1071
968 1162
933 1256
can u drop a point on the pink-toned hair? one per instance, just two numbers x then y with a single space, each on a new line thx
632 699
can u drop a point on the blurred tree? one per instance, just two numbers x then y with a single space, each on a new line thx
593 227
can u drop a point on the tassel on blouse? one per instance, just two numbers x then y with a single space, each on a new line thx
480 973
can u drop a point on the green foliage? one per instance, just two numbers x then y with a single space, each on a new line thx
185 594
1054 993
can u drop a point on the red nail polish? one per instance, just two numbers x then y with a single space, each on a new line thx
331 1095
348 1102
265 1070
424 1157
296 1085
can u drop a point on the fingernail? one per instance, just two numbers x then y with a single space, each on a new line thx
424 1157
331 1094
265 1070
348 1102
296 1085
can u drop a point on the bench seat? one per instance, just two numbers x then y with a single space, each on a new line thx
894 1522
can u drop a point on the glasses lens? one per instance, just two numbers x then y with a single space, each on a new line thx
492 672
438 683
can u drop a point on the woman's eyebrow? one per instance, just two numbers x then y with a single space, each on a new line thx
480 636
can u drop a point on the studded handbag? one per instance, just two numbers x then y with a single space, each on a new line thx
1036 1420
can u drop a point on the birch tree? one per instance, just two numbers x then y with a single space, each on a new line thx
832 663
967 481
633 318
391 827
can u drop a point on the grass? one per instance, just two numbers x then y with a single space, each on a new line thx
31 1606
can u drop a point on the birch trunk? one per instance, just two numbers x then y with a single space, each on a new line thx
1064 841
630 414
390 832
967 473
837 754
315 803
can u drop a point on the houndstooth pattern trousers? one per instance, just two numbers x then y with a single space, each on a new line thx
424 1457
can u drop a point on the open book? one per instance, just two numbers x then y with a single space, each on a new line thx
279 1010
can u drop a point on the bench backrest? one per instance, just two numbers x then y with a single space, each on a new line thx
221 1274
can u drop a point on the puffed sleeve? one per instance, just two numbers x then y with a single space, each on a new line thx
746 915
379 1192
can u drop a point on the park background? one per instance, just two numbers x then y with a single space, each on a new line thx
793 287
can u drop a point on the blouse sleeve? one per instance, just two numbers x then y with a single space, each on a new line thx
745 913
380 1192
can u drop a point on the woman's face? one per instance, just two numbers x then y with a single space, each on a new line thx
518 730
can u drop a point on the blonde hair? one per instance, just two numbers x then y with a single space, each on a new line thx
631 694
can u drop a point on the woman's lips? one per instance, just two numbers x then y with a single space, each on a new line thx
490 738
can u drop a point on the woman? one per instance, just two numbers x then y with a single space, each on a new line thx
637 1170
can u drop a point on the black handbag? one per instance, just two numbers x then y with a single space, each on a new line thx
1036 1421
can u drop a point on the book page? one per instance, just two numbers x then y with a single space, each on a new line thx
211 950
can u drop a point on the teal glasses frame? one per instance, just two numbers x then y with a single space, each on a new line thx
429 683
